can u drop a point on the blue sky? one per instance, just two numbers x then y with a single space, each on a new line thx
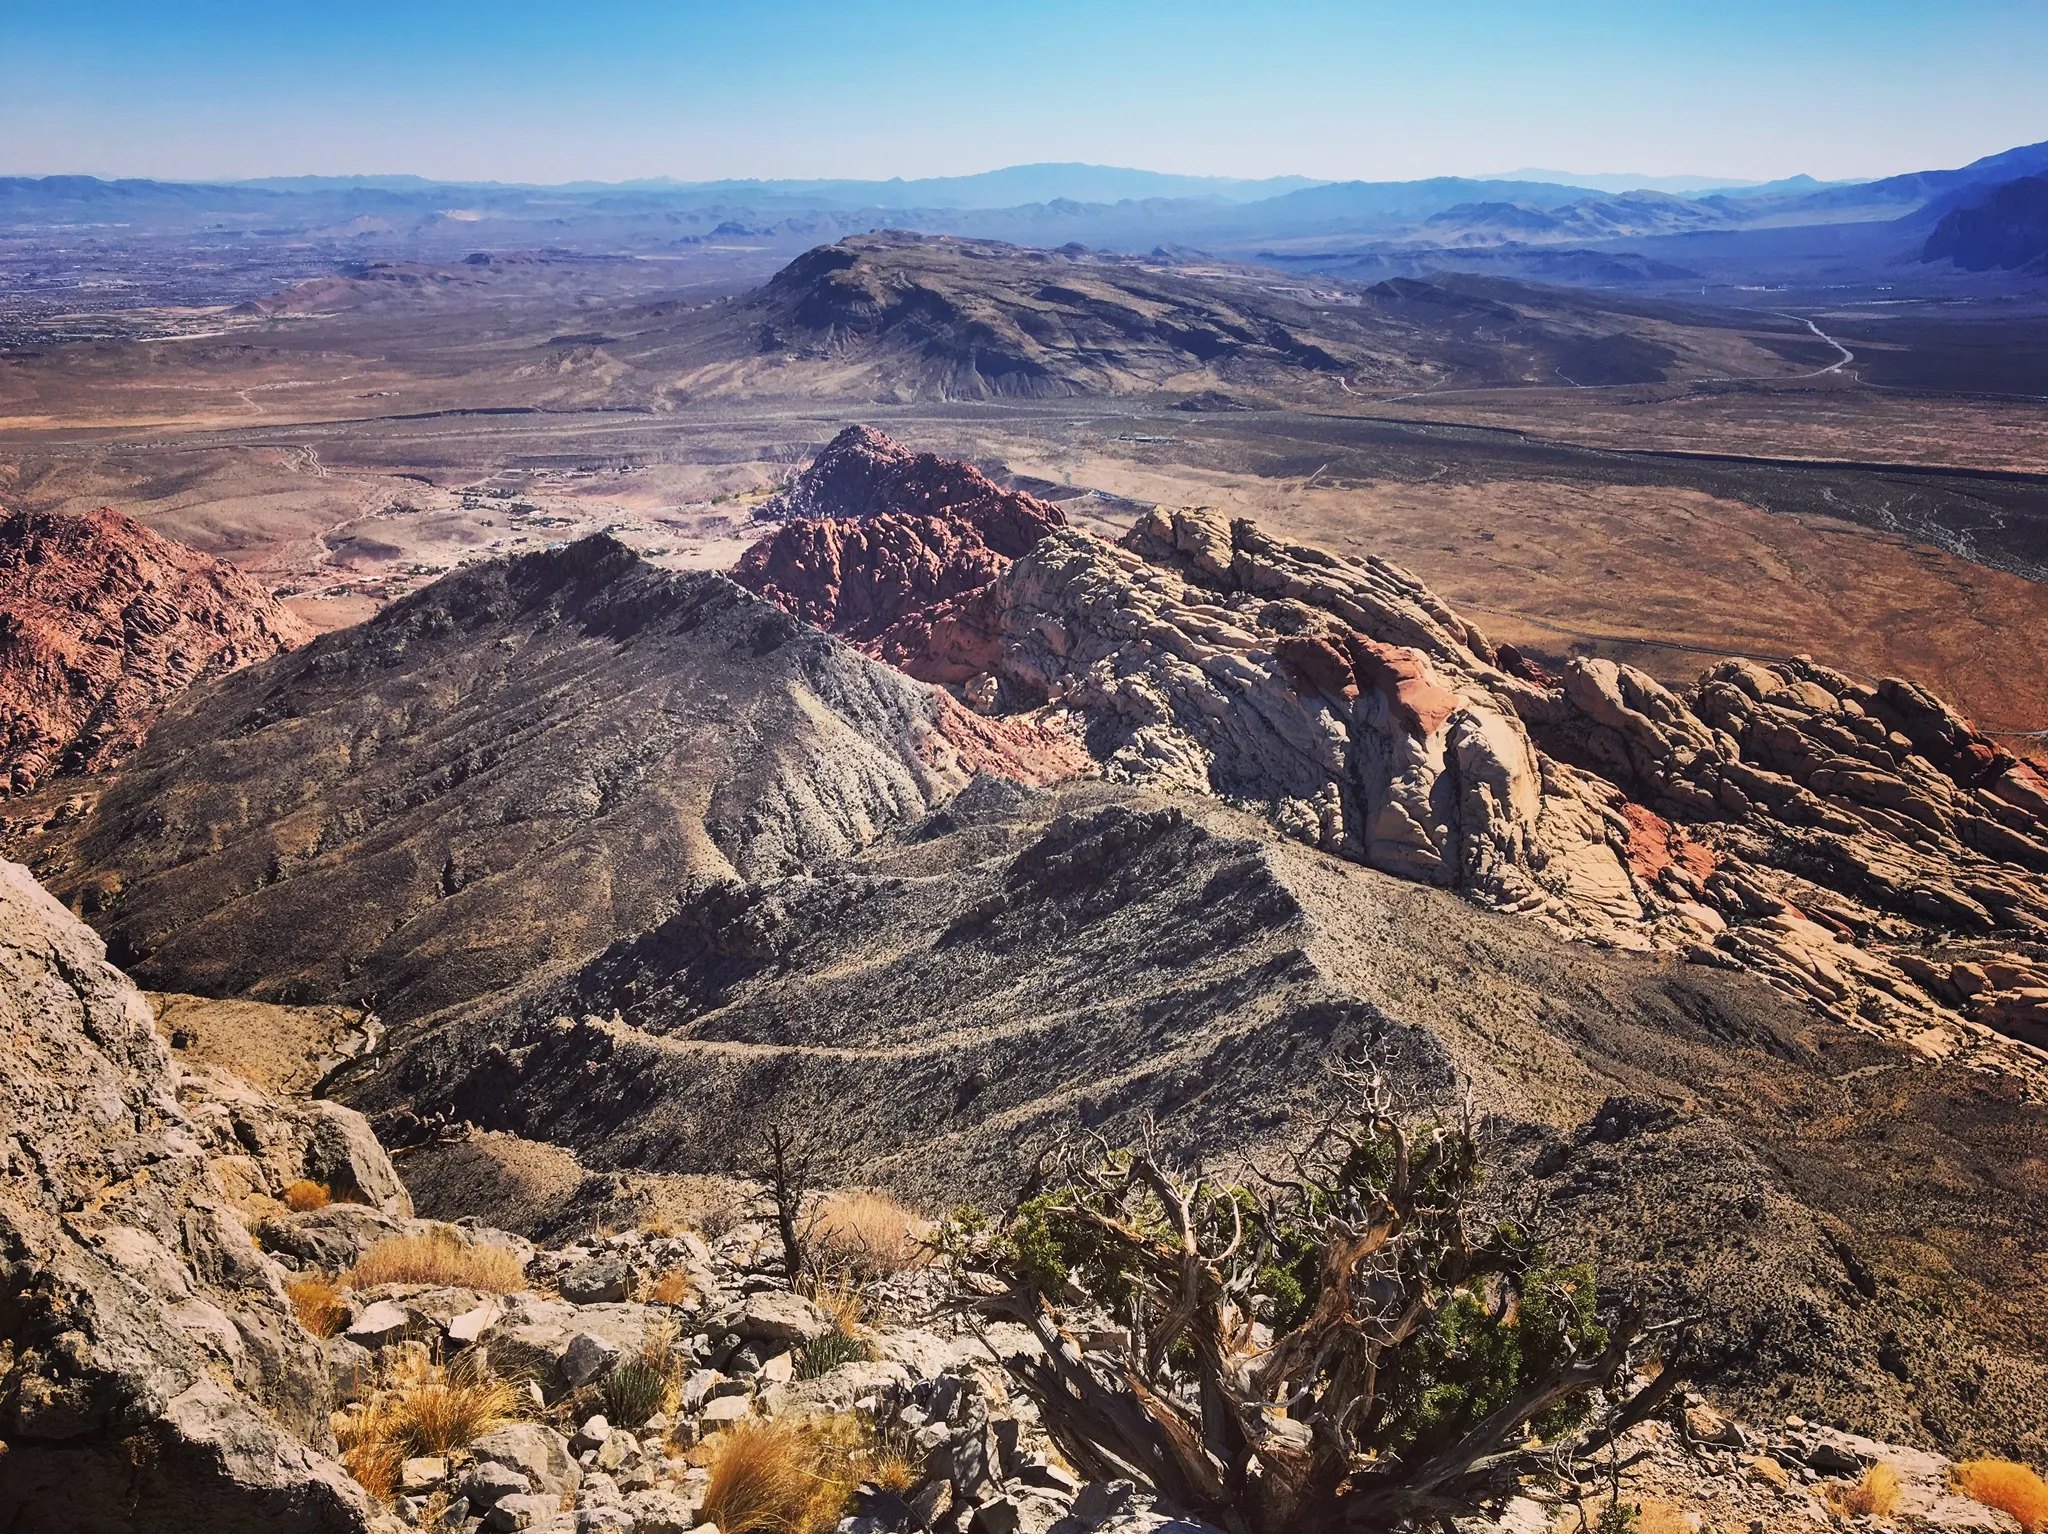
612 89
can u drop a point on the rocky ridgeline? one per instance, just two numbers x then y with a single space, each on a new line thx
1861 847
103 624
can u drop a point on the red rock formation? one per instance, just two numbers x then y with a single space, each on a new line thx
883 545
1655 844
1345 665
103 623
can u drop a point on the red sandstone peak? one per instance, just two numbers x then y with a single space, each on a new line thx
103 624
879 536
862 473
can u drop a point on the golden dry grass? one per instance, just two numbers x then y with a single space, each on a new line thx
440 1257
419 1407
671 1287
784 1477
307 1194
841 1300
317 1304
2008 1485
1877 1492
869 1234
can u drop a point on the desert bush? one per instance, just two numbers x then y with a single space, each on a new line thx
439 1257
1877 1492
317 1304
1433 1366
2007 1485
867 1234
307 1194
783 1477
643 1383
419 1406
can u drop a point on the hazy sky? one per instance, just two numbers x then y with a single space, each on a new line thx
553 90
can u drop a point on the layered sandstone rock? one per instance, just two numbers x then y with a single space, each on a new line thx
1784 820
102 624
152 1376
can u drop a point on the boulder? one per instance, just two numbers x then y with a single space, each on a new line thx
384 1322
587 1357
779 1317
121 1255
538 1453
287 1141
606 1280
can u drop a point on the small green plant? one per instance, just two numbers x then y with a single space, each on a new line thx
1618 1517
823 1354
633 1391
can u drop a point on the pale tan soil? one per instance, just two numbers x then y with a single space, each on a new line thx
1833 421
280 1049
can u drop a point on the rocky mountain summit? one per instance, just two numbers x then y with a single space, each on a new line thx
883 545
103 624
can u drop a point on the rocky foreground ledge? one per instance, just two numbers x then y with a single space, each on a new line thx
218 1311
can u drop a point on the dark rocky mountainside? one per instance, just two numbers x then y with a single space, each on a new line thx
508 770
895 316
103 624
1750 978
2005 228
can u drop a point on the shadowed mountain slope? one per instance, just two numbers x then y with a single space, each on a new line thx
1025 965
510 769
2006 227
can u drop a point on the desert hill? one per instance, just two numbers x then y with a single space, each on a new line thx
2006 227
103 624
971 319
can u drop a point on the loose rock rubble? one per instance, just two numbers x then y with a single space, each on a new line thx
1699 1471
933 1387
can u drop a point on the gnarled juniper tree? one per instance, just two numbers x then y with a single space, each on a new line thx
1327 1348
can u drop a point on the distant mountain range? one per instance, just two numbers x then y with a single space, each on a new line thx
1513 225
1009 187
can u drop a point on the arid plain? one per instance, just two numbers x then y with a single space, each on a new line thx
347 440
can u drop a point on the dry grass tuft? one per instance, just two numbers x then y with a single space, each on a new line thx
307 1194
671 1287
2008 1485
865 1232
1877 1492
785 1477
420 1407
440 1257
842 1302
317 1304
